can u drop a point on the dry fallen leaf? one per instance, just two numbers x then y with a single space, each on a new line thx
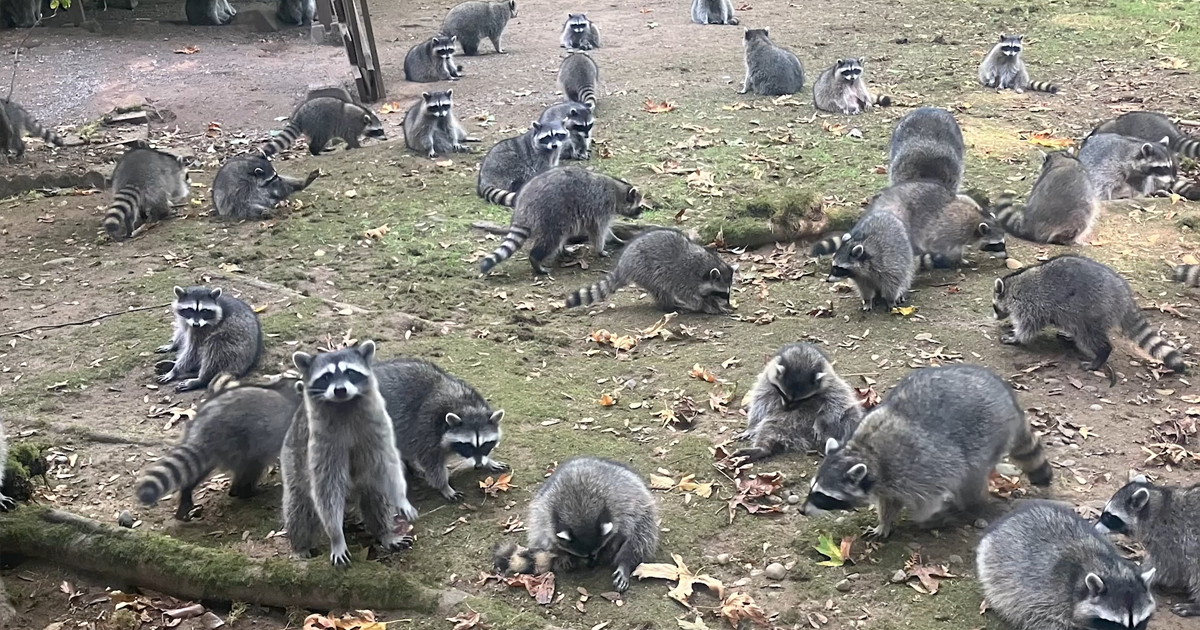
702 373
927 576
1047 139
753 489
661 482
493 487
658 107
389 108
868 397
680 573
740 606
1013 263
189 50
607 400
466 621
377 233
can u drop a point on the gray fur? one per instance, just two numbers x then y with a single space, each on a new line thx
1061 209
1127 168
1187 274
841 89
324 118
209 12
21 123
432 60
579 33
6 503
1151 127
431 128
713 12
770 70
561 203
473 21
508 557
929 447
513 162
940 223
297 12
20 13
578 78
877 256
1043 568
927 144
679 274
341 445
214 333
1003 68
146 183
247 187
578 120
338 92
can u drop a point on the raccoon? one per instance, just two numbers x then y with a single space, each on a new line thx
431 128
1187 274
214 333
1151 127
577 78
579 33
209 12
1061 209
940 223
509 557
930 447
473 21
1043 568
247 187
877 256
561 203
1003 68
21 123
1166 520
680 274
432 60
297 12
578 120
341 443
20 13
927 144
1126 168
239 429
713 12
595 511
513 162
798 403
337 92
322 119
146 184
436 415
6 503
770 70
1084 300
841 89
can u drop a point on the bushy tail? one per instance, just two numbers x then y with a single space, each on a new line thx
599 291
1043 86
36 129
1027 452
935 261
827 246
182 467
509 557
1011 217
1186 188
283 141
1189 147
124 215
1187 274
517 236
881 100
1135 326
587 96
499 196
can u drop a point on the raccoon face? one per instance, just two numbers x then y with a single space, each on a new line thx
337 377
1157 165
198 306
1115 602
587 542
373 126
473 434
841 483
848 259
1011 45
549 136
438 104
1127 508
798 375
991 238
716 287
580 120
1002 298
849 69
512 8
633 202
443 47
578 22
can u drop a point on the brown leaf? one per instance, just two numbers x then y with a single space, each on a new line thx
681 574
377 233
466 621
702 373
189 50
540 587
658 108
493 488
754 489
928 576
389 108
740 606
607 400
867 397
1047 139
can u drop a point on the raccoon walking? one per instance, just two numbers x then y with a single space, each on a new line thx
1166 521
341 443
296 12
561 203
930 447
1151 127
209 12
432 60
877 256
940 223
798 403
578 121
713 12
513 162
577 78
1084 300
579 33
770 70
679 274
927 144
1003 68
1062 207
322 119
1127 168
1043 568
473 21
247 187
239 429
841 89
214 333
146 184
21 123
431 128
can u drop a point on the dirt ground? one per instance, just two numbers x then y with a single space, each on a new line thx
73 390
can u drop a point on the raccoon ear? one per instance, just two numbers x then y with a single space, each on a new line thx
571 112
714 274
449 93
1147 150
537 126
453 420
179 292
999 288
984 228
302 360
820 376
838 62
606 529
856 252
299 387
1166 140
831 445
565 535
1095 585
258 172
857 473
215 293
366 349
632 195
425 95
1148 576
1140 479
497 416
1003 36
1140 498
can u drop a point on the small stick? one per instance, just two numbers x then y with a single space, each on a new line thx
82 322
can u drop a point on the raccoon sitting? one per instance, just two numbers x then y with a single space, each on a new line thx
798 403
579 33
214 333
679 274
472 21
247 187
1061 209
20 13
1166 521
20 123
1043 568
512 162
146 183
578 77
841 89
1151 127
209 12
940 223
1127 168
322 119
930 447
1084 300
296 12
927 144
1003 68
877 256
770 70
432 60
713 12
239 429
578 120
561 203
431 128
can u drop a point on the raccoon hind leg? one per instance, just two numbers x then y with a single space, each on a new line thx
469 43
378 511
245 481
545 252
1096 346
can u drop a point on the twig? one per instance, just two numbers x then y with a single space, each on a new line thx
17 58
82 322
97 437
861 374
278 288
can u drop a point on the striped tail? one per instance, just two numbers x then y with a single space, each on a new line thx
35 129
881 100
1043 86
1189 147
181 468
587 96
1011 217
827 246
1135 326
283 141
1027 452
499 196
1187 274
1186 188
599 291
517 236
124 215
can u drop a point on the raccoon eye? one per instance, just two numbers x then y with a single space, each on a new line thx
463 449
187 312
487 447
321 383
356 377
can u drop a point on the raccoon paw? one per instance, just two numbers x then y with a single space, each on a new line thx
621 580
742 437
1186 610
397 543
408 511
6 503
496 466
302 554
339 556
879 531
1010 339
452 495
166 378
163 349
164 367
190 385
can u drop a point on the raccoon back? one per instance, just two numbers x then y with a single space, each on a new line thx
773 70
419 394
927 144
581 491
578 77
474 19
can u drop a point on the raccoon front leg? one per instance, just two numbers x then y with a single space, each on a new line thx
378 509
432 468
889 511
208 371
627 558
1021 333
868 293
1192 608
760 451
329 468
745 83
496 43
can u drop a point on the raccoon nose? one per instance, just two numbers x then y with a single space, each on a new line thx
339 391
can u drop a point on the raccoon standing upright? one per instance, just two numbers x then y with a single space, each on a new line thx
513 162
247 187
841 89
797 404
341 445
927 144
473 21
1003 68
431 128
1061 209
324 118
578 77
770 70
146 183
579 33
21 123
1042 567
578 119
713 12
209 12
296 12
1151 127
876 255
432 60
214 333
1121 167
930 447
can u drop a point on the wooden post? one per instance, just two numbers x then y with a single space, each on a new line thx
352 21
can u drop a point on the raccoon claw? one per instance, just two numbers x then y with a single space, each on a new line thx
398 543
620 580
164 367
1009 339
497 466
189 385
452 495
879 531
6 503
163 349
165 378
408 512
1186 610
340 557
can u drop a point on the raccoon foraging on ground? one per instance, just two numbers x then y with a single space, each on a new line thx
240 429
578 120
341 443
1042 567
1151 127
436 415
296 12
1166 521
513 162
1003 68
770 70
1083 300
146 183
877 256
561 203
927 144
432 60
1061 209
577 78
214 333
713 12
940 223
20 123
247 187
431 128
579 33
473 21
680 274
322 119
798 403
209 12
1127 168
930 447
20 13
840 88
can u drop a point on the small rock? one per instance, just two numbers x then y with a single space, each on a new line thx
980 523
723 558
956 559
1053 381
125 519
775 571
899 576
1073 447
793 499
1096 408
843 586
1008 470
58 262
1067 463
1091 389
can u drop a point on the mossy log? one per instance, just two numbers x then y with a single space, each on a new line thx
777 218
189 571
